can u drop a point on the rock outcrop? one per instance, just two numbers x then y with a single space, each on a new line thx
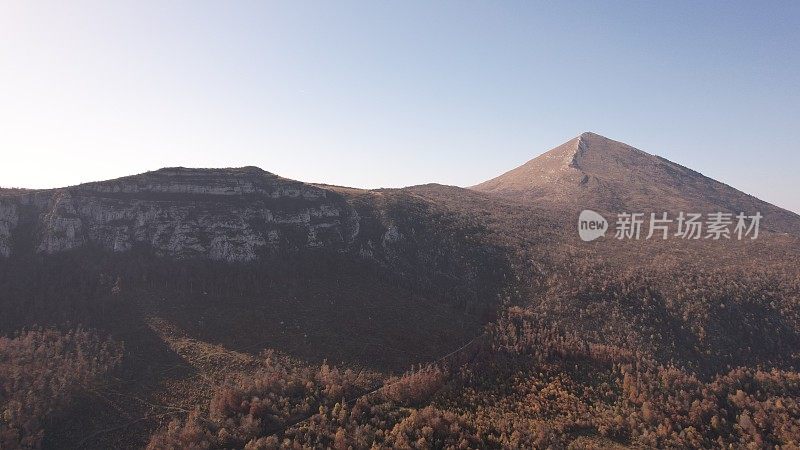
221 214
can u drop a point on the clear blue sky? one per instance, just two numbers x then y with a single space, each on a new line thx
396 93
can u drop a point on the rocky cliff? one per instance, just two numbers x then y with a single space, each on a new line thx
221 214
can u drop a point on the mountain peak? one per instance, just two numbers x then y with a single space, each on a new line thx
573 162
589 138
592 171
589 134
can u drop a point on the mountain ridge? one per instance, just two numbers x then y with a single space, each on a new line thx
203 272
234 214
241 212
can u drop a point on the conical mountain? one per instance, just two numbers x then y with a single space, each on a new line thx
592 171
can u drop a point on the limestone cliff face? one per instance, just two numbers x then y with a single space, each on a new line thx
220 214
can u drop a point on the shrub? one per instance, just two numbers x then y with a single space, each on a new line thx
40 372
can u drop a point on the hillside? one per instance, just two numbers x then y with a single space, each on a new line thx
233 308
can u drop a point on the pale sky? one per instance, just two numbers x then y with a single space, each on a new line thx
389 94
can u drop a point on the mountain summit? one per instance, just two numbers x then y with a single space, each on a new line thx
592 171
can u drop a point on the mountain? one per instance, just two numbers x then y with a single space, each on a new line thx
594 172
234 308
245 257
671 297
